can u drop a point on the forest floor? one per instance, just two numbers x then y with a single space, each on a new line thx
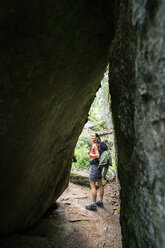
70 225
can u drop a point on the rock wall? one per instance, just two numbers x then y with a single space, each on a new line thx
137 86
52 57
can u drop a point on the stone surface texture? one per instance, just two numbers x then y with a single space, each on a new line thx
53 55
137 86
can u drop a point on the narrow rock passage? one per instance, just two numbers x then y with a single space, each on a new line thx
70 225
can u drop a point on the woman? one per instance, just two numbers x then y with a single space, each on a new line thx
94 174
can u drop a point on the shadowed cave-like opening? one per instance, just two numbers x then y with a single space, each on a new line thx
54 54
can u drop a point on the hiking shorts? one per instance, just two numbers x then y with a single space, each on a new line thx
94 173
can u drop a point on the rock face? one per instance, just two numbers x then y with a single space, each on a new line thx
137 85
53 56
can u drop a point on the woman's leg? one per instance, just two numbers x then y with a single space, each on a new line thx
93 191
101 189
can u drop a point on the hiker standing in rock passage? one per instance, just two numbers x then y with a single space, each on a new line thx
95 175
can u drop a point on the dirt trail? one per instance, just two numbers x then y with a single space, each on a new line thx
92 229
70 225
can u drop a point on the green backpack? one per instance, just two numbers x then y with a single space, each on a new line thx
104 161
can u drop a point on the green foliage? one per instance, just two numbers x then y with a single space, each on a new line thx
81 155
99 111
99 120
118 209
113 167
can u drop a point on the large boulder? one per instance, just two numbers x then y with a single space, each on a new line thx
137 88
53 57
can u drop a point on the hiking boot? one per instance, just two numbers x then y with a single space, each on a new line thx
92 207
100 204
